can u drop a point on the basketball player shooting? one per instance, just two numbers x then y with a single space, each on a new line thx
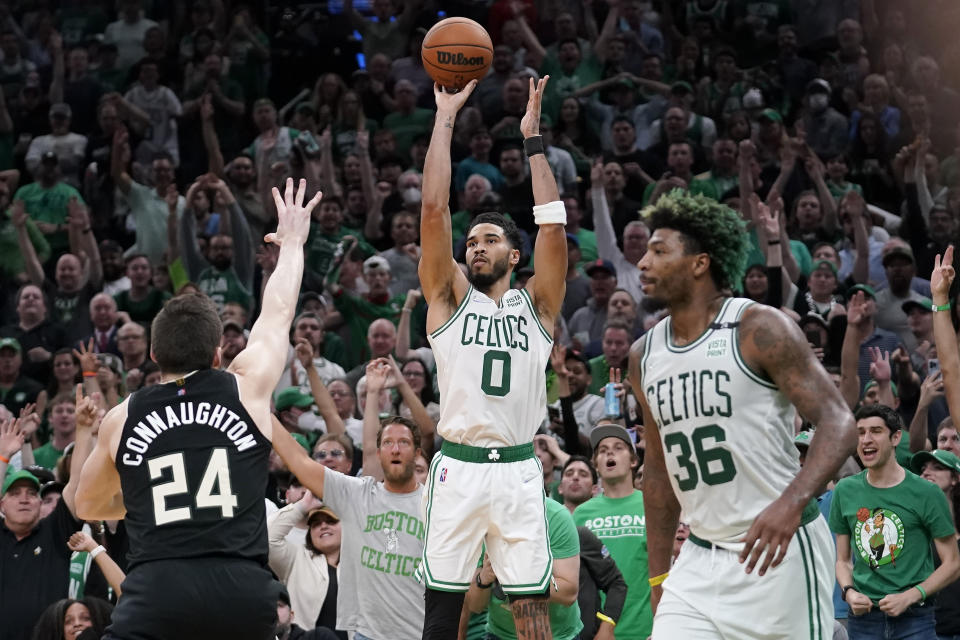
185 464
718 381
492 344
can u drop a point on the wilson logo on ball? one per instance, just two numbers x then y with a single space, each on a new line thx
446 57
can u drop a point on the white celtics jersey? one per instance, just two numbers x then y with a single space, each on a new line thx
491 370
727 431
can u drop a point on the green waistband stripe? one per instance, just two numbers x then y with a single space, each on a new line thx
466 453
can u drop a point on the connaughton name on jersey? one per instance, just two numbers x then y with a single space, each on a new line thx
203 413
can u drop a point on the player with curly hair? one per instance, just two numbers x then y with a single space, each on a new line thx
718 380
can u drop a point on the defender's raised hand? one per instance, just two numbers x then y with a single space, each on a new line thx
293 217
530 124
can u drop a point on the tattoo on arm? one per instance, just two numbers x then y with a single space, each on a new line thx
532 618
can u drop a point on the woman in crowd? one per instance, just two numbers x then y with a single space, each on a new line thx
66 375
69 619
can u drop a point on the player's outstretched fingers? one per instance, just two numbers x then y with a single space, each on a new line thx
277 200
288 193
314 201
301 192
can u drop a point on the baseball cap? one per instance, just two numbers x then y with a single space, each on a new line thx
573 354
680 87
873 383
820 263
18 476
10 343
293 397
897 251
867 289
818 85
306 107
284 596
600 263
232 324
772 115
321 511
572 238
112 362
375 262
603 431
940 456
803 439
923 303
753 99
61 109
52 486
49 157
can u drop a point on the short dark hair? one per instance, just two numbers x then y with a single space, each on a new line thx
585 460
566 40
404 422
621 118
510 229
134 256
706 226
192 315
890 417
616 323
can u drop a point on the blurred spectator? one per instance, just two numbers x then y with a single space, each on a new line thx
128 33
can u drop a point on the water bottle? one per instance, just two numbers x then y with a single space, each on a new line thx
611 401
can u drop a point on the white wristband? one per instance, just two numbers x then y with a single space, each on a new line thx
550 213
97 551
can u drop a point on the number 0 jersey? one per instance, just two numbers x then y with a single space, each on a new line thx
193 470
727 431
491 370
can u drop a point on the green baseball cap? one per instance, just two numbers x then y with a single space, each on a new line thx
293 397
18 476
302 441
11 343
867 289
940 456
825 263
923 303
772 115
873 383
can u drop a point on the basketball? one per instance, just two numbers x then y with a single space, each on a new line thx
455 51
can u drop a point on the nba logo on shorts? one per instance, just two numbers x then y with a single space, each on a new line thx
181 392
443 474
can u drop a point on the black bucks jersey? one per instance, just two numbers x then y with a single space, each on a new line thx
193 470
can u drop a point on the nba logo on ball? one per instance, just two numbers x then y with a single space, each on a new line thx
456 51
443 474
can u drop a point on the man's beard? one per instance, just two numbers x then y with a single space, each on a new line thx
282 629
221 264
483 281
651 305
401 476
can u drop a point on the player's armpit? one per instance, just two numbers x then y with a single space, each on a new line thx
308 471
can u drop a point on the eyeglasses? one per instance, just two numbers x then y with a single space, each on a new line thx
336 454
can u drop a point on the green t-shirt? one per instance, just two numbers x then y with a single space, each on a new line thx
49 205
11 260
334 348
142 311
407 127
224 287
800 253
621 525
47 456
564 84
890 531
565 621
359 313
321 247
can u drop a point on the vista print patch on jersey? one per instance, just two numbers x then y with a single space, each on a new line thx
878 536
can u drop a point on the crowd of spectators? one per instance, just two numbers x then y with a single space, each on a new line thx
139 140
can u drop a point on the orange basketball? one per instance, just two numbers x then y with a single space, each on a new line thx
455 51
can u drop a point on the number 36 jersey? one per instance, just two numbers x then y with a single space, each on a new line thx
193 470
491 370
727 431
